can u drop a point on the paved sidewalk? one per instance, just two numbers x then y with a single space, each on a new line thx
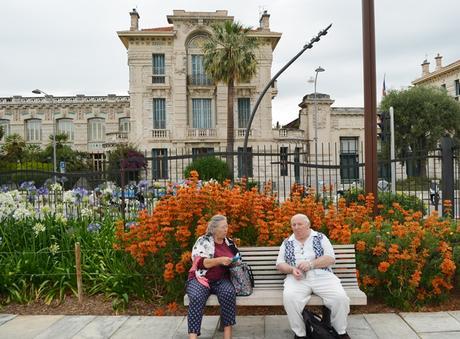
434 325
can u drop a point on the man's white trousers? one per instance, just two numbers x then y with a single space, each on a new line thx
325 285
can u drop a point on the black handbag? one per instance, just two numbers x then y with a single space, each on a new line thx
318 327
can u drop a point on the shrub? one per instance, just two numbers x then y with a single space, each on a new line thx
209 167
401 257
128 158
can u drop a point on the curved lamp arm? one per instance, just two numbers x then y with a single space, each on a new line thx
253 113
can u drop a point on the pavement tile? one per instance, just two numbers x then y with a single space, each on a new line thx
208 327
247 327
277 326
431 322
102 327
359 328
6 317
27 326
389 326
66 327
455 314
139 327
440 335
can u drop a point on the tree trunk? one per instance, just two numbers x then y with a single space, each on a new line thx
230 126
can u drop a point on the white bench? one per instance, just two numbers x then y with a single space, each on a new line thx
268 281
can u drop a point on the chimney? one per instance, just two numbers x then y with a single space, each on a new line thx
438 59
134 20
425 68
265 21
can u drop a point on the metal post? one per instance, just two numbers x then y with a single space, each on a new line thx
370 100
319 69
392 151
447 186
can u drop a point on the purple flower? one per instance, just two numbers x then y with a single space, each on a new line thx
93 227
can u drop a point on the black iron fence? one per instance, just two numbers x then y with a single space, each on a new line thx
431 176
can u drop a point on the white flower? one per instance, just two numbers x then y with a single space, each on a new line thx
21 213
45 209
61 218
56 187
69 197
86 212
38 228
54 248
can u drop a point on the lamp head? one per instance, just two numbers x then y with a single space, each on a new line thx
319 69
36 91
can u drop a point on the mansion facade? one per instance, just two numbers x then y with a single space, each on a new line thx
173 105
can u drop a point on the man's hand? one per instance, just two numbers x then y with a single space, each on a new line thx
297 273
304 266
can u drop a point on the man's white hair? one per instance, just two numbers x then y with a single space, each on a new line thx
303 216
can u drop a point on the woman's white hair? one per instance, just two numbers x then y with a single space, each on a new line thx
214 223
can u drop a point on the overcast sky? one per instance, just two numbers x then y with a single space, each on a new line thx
71 47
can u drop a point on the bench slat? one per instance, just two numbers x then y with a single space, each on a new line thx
269 281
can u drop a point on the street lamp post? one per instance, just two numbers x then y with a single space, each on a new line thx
318 70
48 96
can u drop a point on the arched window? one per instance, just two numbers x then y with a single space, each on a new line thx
5 125
33 130
196 72
96 129
65 126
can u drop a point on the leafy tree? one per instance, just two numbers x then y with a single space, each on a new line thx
229 57
208 167
422 116
128 158
75 160
14 148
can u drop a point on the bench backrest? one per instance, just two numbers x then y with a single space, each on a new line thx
263 263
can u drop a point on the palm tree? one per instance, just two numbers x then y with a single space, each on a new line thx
229 56
13 148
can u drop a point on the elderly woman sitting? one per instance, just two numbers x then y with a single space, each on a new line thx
212 254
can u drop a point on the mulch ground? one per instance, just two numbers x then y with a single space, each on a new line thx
99 305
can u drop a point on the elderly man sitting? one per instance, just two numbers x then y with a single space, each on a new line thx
305 257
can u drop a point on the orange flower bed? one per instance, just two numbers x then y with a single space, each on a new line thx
401 257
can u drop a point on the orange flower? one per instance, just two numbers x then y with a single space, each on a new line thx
415 278
159 312
383 266
448 267
172 307
360 246
180 268
168 274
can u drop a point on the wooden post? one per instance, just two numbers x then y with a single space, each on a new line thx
78 269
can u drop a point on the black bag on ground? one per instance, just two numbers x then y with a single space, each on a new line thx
318 327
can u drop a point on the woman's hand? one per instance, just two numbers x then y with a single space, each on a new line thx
225 261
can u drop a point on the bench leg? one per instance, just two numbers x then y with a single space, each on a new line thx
220 326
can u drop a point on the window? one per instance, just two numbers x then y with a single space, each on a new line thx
201 113
98 161
199 76
33 130
244 111
283 161
65 126
457 88
443 86
124 125
248 162
159 113
158 65
96 129
202 150
5 125
159 163
349 170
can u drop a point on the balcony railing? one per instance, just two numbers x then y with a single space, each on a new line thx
112 139
201 132
241 132
160 134
199 80
288 133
